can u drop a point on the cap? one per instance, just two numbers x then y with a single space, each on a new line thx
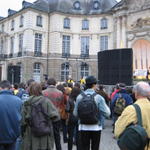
90 80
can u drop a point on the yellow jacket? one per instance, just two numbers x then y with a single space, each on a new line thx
129 116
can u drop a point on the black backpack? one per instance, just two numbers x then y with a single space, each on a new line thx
39 121
87 109
134 136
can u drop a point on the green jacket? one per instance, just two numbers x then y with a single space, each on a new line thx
30 142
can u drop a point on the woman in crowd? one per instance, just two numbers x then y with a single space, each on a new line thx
72 121
31 141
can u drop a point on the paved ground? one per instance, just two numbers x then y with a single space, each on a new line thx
107 140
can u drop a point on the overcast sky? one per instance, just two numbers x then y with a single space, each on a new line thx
12 4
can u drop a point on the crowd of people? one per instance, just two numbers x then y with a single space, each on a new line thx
33 115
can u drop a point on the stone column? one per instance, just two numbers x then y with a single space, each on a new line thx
124 36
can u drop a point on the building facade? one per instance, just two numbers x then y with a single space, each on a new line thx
61 38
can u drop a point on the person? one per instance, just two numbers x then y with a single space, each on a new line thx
29 140
63 113
72 120
90 133
142 92
56 97
102 92
125 96
10 117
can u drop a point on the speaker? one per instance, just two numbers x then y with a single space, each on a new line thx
13 74
115 66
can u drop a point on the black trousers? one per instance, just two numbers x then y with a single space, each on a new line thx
56 130
90 140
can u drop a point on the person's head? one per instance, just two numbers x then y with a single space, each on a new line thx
35 89
75 92
22 85
90 82
141 90
16 86
29 82
51 81
61 88
121 86
5 84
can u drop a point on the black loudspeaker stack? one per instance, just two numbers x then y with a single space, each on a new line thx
13 74
115 66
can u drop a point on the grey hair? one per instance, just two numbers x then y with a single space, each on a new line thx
142 89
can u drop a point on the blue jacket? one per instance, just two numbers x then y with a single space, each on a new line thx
10 116
125 95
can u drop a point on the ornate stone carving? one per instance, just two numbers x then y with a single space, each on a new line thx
141 22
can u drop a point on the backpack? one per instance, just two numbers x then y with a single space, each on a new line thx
120 105
39 122
87 109
134 136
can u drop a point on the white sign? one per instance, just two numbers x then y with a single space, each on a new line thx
140 72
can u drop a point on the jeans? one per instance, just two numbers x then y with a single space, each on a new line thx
18 143
90 140
56 129
64 129
11 146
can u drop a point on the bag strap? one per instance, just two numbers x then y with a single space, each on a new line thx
138 113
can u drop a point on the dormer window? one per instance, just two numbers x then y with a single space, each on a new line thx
104 23
67 23
85 24
96 5
39 21
12 24
76 5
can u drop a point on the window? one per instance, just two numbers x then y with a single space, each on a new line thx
67 23
20 42
3 28
2 46
84 70
76 5
37 72
85 46
12 24
103 43
12 45
64 71
66 46
21 21
85 24
104 23
39 21
38 43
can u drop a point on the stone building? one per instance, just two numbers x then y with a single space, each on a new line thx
61 38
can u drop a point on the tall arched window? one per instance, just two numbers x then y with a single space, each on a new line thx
64 71
84 70
37 72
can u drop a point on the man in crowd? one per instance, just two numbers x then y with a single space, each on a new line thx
142 92
56 97
10 116
90 133
121 100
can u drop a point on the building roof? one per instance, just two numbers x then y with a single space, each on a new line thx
72 6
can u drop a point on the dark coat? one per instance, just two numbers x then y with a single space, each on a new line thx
30 142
